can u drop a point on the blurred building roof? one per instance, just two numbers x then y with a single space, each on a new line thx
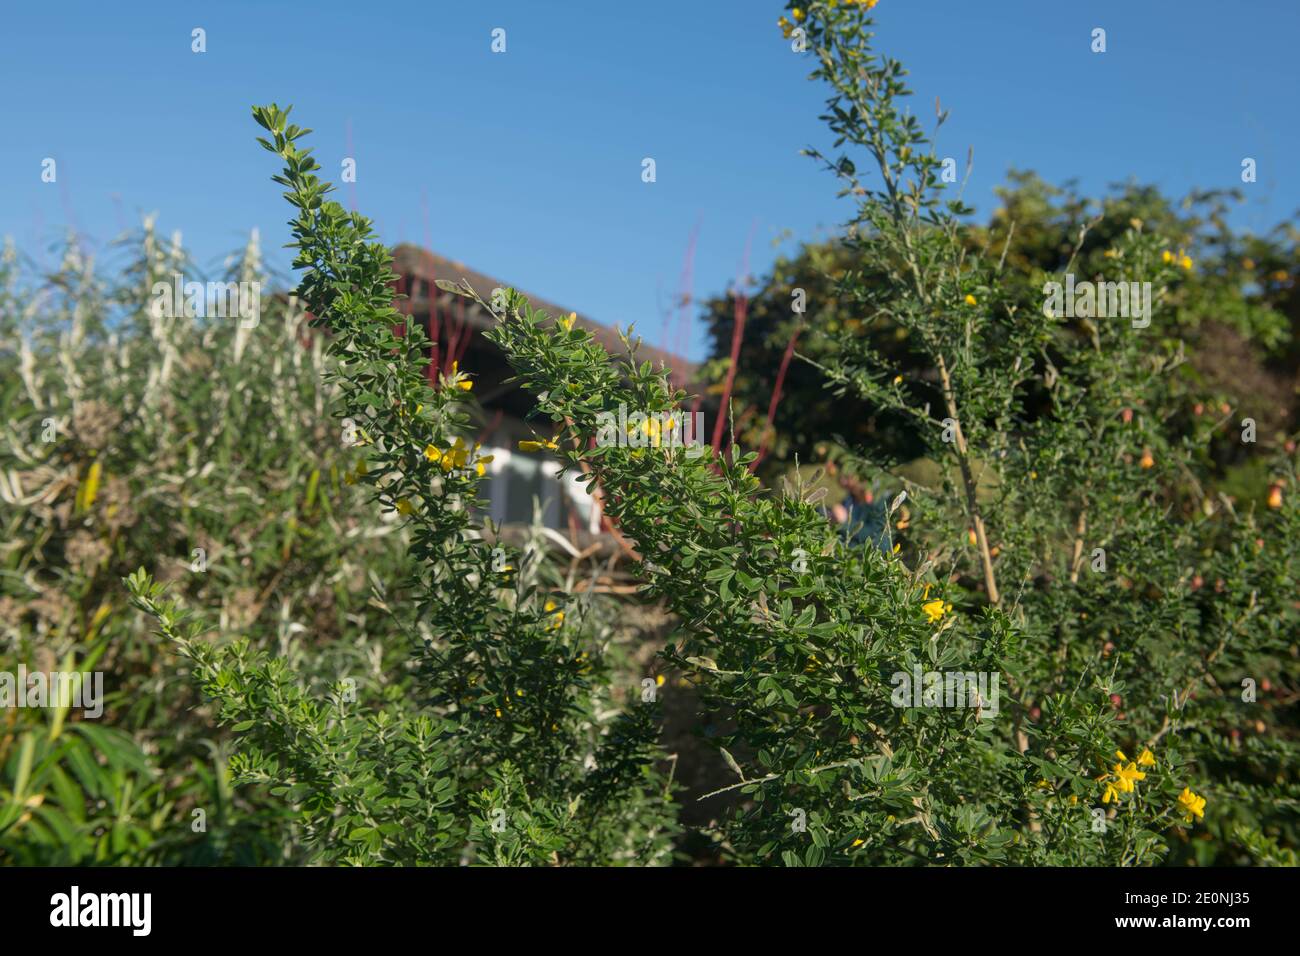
420 267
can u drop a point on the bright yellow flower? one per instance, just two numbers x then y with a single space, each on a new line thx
548 445
797 13
1111 793
567 324
936 609
1193 806
1127 776
455 456
1146 758
557 615
404 507
1167 256
433 454
970 299
858 842
464 385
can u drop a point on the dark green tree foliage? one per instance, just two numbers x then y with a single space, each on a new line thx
1073 489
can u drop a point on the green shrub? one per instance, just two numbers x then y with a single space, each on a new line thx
512 698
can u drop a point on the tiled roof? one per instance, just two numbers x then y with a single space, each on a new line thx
412 262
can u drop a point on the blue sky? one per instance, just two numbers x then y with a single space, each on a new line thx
527 165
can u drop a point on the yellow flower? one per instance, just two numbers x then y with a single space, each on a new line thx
659 680
1193 806
897 379
970 299
567 324
1167 256
1126 777
557 615
538 445
464 385
1186 263
1146 758
936 609
455 456
433 454
1111 793
858 842
786 27
498 712
797 13
404 507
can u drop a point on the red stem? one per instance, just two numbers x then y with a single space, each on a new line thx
776 398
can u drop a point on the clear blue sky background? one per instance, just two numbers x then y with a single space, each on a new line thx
529 162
